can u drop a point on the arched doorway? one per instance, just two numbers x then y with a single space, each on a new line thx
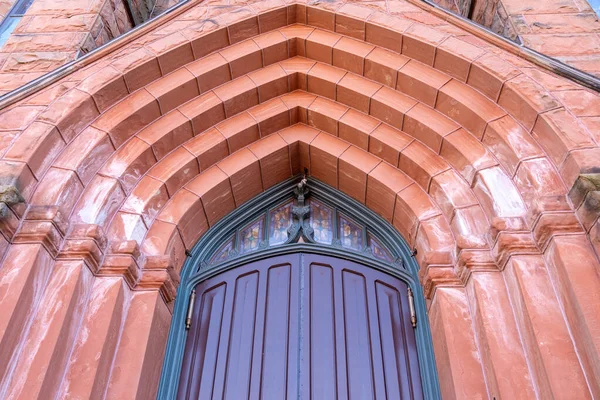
309 295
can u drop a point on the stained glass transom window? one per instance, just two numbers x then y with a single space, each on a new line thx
314 221
351 234
378 250
280 220
223 253
321 220
251 236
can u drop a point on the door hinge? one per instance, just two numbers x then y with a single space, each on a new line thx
411 305
190 310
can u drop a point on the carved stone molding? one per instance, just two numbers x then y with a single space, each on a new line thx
87 242
470 260
301 228
122 258
585 197
435 276
513 243
552 224
45 225
158 273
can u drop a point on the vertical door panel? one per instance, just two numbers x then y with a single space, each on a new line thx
257 346
294 346
321 328
241 338
340 334
358 339
377 357
205 359
323 373
392 341
276 333
399 347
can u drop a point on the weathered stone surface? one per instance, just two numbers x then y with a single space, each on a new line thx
564 29
583 185
161 6
156 172
145 331
34 62
23 278
9 194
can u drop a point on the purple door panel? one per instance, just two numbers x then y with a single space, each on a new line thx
301 326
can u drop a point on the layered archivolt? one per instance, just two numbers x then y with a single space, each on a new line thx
460 154
457 129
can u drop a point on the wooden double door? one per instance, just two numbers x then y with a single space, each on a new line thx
301 326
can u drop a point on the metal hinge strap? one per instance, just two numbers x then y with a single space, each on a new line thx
190 310
411 305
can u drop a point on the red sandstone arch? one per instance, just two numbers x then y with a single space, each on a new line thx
463 147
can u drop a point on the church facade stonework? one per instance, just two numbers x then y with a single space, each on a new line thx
482 159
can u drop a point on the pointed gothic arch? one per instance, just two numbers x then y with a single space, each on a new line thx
200 267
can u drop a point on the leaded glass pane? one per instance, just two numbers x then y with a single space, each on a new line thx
280 220
223 253
321 220
350 234
251 236
378 250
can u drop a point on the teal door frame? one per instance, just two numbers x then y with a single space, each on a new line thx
197 268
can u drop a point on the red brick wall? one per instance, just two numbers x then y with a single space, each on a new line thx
567 30
53 33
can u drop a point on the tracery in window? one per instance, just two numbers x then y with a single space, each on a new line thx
321 220
378 250
279 221
224 251
311 221
251 236
351 234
